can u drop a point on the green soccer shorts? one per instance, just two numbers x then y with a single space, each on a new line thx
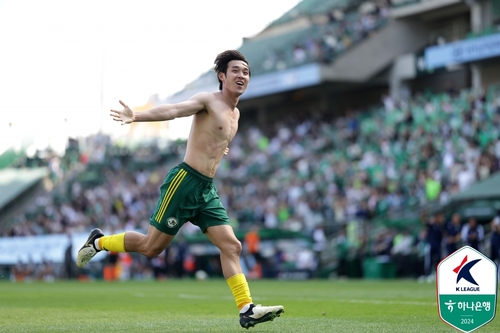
187 195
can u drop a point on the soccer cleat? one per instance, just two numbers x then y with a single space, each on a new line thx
88 250
257 314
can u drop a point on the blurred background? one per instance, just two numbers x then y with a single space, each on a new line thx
369 141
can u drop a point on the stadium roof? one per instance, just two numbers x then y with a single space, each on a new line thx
486 189
13 182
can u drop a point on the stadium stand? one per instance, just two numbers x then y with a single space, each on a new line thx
311 8
312 42
348 153
295 175
23 177
391 154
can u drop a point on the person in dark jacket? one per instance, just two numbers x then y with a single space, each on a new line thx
453 234
473 234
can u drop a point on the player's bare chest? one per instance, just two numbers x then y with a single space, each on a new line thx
226 123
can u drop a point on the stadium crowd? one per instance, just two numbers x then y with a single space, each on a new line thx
300 173
340 29
297 174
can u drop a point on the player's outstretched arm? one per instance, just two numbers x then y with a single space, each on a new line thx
163 112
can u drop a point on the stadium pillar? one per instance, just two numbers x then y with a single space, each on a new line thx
475 16
480 14
476 77
480 19
403 68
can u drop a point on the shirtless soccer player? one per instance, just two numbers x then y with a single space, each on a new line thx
188 192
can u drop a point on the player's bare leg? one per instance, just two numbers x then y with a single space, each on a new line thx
230 249
150 245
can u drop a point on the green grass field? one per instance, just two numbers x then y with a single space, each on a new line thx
207 306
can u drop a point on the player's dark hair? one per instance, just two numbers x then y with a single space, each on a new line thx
224 58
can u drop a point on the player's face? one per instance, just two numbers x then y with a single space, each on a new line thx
237 77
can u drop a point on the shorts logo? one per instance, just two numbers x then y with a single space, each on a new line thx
172 222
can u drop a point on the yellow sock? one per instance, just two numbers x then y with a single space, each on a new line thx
113 243
239 288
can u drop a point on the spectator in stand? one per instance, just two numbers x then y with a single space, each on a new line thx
432 187
299 54
69 263
180 253
18 273
342 248
382 246
473 234
495 239
453 233
319 241
110 269
252 246
159 264
435 234
304 261
421 251
401 253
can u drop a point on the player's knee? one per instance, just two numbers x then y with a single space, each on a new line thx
153 252
233 248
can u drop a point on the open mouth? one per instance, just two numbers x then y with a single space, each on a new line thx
241 84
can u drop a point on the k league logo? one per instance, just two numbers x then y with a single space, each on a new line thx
463 271
466 284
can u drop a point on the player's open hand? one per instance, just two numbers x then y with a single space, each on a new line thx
125 116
